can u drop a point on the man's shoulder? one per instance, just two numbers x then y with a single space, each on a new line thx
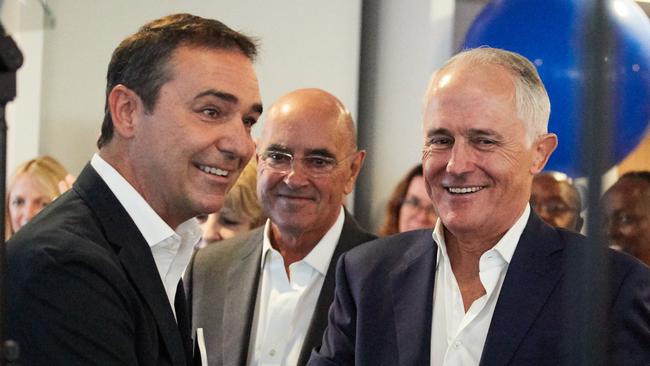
626 267
621 264
66 230
65 222
225 251
386 253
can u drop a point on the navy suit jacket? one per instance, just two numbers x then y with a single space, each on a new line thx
83 287
382 310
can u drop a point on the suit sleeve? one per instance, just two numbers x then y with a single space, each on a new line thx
70 311
630 319
338 347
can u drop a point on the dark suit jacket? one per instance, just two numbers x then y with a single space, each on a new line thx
84 288
223 281
382 311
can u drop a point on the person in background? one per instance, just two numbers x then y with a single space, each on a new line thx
556 200
409 207
32 186
240 213
262 298
96 276
627 207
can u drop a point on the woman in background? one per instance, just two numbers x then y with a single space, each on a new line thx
241 210
33 185
409 207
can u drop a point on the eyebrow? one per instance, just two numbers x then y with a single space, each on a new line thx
477 132
320 152
439 131
278 148
308 152
229 98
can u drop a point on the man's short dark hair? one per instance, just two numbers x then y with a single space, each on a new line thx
140 62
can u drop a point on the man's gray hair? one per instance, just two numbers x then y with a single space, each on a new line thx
533 104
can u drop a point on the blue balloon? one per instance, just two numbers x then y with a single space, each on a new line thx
550 34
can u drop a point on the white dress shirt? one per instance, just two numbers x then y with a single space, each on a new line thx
285 306
458 337
171 249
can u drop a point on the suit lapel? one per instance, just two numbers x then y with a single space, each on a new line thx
241 295
411 285
351 236
533 273
135 256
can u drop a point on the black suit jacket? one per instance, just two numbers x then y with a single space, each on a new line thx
382 311
223 280
84 288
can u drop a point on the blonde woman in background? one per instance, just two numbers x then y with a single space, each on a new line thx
33 185
241 210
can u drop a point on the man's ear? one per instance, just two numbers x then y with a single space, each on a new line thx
355 167
543 147
124 105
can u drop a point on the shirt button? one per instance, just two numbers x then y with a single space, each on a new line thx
457 344
272 353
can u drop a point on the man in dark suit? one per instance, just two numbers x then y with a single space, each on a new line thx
95 278
262 298
488 285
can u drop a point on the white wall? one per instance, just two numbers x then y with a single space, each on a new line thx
303 43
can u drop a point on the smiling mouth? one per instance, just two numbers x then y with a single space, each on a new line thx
294 197
463 190
213 170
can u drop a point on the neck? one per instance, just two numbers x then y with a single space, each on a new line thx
465 252
122 165
293 246
464 258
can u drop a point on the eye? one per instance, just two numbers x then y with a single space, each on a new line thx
319 162
211 112
278 156
202 218
483 141
624 219
225 221
439 142
18 201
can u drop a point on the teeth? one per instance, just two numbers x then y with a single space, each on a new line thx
464 190
213 170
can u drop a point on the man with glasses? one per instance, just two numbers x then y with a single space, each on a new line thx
262 298
556 200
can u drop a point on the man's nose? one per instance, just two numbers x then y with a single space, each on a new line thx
235 142
460 159
296 176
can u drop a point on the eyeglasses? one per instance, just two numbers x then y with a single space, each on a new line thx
552 207
415 203
315 166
